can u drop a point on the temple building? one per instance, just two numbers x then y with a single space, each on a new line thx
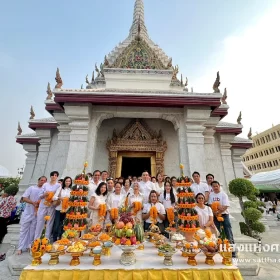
135 114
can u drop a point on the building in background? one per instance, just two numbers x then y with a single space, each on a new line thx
265 152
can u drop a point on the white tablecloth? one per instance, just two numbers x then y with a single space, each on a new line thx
145 259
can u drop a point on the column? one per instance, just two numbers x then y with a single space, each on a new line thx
183 151
79 117
195 119
43 154
237 153
31 155
63 140
225 146
212 161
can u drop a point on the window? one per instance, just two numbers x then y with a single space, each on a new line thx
256 156
273 135
278 133
269 164
258 142
262 140
264 165
261 154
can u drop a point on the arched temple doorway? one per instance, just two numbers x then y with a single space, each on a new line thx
135 149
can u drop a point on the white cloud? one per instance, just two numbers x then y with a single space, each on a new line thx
249 65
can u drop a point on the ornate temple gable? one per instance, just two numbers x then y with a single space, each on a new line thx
136 133
138 28
138 55
136 137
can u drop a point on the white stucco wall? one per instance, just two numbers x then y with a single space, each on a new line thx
171 160
214 164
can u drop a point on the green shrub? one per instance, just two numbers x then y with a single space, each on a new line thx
250 210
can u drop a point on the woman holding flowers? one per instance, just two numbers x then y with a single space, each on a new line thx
114 202
204 212
135 201
61 198
46 207
167 198
153 212
97 204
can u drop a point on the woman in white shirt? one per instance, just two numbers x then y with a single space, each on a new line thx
60 194
136 196
159 185
126 189
153 201
98 198
115 200
168 199
205 213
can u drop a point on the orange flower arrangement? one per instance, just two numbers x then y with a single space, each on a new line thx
47 218
64 204
102 211
114 213
37 207
170 216
137 207
190 205
215 207
94 244
63 241
153 214
76 217
79 193
48 198
208 233
188 218
77 204
104 237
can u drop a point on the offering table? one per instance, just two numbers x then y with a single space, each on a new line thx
149 266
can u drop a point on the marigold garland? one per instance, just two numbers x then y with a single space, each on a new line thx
76 217
37 207
75 228
64 204
114 213
102 210
170 216
48 198
79 193
81 182
190 205
137 207
215 207
188 184
185 194
77 204
153 214
188 218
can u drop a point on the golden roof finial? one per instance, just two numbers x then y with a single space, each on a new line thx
250 134
239 118
32 114
19 129
49 92
58 79
217 83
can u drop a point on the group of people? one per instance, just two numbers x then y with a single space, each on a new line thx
159 192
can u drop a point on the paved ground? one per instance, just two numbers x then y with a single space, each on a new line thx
269 270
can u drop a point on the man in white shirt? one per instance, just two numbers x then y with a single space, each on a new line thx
104 176
28 219
220 196
94 184
199 187
146 186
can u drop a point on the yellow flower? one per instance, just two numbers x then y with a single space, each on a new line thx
181 166
48 247
86 164
45 241
47 218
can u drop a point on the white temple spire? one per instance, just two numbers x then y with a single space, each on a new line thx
138 18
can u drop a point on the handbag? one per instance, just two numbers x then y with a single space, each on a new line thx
58 201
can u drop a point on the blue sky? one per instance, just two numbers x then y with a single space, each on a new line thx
200 36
